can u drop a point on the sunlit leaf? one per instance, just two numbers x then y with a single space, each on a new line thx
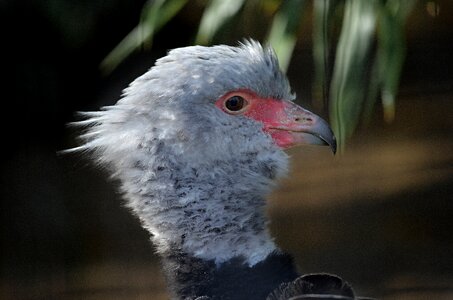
284 28
215 15
348 85
155 15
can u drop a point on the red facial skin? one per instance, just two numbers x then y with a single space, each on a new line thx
287 123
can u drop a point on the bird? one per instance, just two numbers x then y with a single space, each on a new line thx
197 143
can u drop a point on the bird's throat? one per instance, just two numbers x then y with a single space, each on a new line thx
217 213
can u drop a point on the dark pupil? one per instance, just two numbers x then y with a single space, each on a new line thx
235 103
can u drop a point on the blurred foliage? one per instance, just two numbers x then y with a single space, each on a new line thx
155 15
354 66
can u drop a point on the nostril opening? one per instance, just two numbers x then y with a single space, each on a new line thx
297 119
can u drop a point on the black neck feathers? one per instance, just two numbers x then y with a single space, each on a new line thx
190 277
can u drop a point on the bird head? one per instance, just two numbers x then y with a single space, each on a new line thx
197 142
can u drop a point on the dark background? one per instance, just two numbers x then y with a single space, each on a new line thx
381 215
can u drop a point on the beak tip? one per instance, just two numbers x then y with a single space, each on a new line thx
333 146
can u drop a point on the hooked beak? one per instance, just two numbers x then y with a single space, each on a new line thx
292 125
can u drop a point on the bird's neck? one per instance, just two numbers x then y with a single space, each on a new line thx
190 277
212 211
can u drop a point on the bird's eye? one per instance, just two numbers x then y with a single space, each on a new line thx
235 103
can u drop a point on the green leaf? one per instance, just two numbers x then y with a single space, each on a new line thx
391 52
284 28
347 93
215 15
323 20
155 15
391 49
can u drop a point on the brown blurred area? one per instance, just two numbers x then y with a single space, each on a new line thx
380 215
